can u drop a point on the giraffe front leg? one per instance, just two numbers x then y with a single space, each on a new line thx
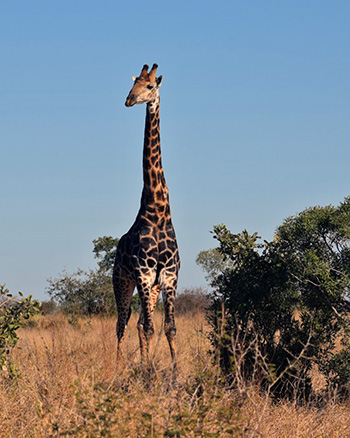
169 323
145 324
169 292
142 339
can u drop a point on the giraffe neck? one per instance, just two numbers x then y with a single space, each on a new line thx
155 192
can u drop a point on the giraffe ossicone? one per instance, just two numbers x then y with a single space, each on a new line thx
147 255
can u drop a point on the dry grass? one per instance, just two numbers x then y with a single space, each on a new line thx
68 387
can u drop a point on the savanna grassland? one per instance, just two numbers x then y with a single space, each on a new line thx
68 386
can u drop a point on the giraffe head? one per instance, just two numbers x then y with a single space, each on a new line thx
145 88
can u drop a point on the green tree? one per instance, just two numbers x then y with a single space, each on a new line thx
105 249
283 304
83 292
212 262
88 292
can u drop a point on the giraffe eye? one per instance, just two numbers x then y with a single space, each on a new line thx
150 87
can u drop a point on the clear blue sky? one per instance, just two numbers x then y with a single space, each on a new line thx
255 109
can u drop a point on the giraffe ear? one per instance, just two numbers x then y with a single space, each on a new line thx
159 80
133 78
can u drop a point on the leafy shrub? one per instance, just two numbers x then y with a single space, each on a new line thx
49 307
13 313
192 300
338 371
282 305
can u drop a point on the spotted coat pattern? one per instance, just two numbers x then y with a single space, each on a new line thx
147 255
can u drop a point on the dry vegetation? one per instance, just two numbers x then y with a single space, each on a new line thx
68 387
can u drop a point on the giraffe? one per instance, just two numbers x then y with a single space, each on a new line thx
147 255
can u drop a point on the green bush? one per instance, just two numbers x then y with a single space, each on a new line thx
279 307
13 314
191 300
337 368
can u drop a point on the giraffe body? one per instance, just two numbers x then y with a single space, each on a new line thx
147 255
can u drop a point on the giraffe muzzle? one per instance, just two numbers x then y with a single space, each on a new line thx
130 101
